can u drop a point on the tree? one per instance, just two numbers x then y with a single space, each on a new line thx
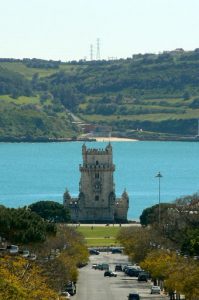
51 211
149 215
190 243
23 226
179 222
173 270
72 253
136 242
21 280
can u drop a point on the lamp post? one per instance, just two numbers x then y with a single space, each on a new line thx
159 175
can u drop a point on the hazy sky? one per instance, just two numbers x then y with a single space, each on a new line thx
65 29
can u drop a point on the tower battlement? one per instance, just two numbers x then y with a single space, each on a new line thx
99 151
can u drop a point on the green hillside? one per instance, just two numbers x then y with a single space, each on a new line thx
147 96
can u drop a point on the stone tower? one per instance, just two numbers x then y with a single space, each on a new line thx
97 201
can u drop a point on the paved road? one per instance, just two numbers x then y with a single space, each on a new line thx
92 285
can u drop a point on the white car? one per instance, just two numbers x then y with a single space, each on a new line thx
13 249
24 253
64 295
32 256
155 289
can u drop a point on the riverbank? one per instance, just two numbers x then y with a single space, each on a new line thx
114 139
25 139
58 140
43 140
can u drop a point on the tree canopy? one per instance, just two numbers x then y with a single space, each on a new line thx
179 222
23 226
51 211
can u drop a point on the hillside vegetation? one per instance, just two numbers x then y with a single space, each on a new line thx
145 96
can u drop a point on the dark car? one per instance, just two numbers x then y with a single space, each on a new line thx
13 249
133 296
116 250
94 251
133 272
70 287
118 268
142 277
99 267
110 274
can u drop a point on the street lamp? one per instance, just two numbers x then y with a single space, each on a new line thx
159 175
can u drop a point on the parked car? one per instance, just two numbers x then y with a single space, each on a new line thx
64 295
99 267
94 266
133 272
142 277
103 266
118 268
110 274
24 253
32 256
94 251
155 289
70 287
13 249
125 267
133 296
82 264
116 250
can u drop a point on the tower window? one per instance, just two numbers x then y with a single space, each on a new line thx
96 198
96 175
97 162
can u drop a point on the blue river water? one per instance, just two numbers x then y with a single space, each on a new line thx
30 172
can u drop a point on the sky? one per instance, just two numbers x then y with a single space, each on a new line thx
65 29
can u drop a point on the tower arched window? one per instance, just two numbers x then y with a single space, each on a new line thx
96 198
97 163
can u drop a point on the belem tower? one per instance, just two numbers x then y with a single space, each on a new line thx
97 202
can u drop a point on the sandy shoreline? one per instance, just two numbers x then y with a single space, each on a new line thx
113 139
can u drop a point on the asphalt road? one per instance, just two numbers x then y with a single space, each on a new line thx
92 285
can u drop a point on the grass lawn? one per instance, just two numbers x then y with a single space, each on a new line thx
20 100
99 235
21 68
27 72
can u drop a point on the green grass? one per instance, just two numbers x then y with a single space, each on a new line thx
21 68
20 100
189 113
99 235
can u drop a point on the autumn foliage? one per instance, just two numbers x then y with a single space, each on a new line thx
56 263
21 280
179 274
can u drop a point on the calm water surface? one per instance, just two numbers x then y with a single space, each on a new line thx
32 172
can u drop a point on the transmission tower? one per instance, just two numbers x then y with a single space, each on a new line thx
91 52
98 50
